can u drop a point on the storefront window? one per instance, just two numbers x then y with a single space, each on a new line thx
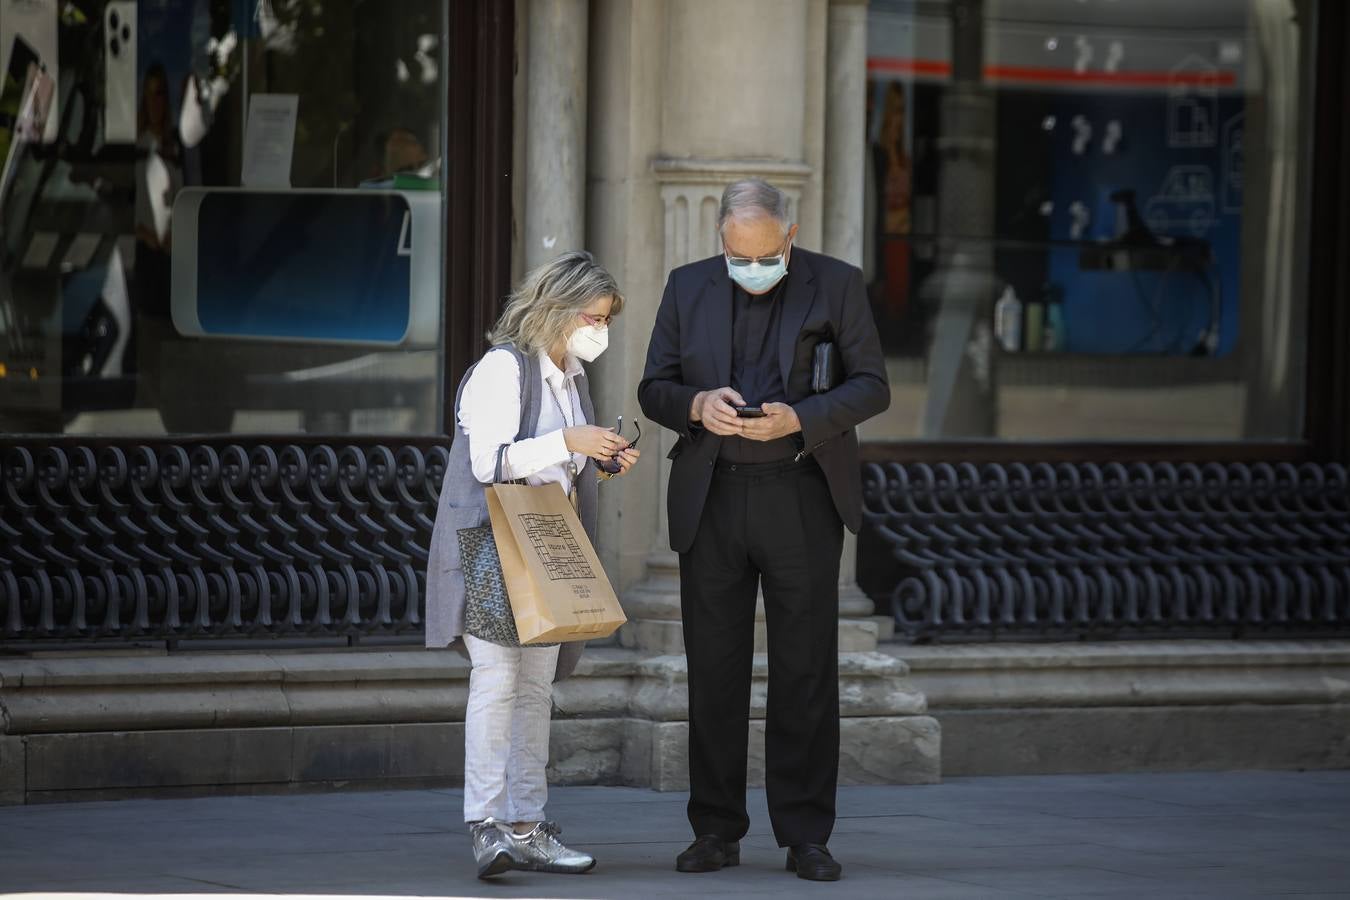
1084 217
221 216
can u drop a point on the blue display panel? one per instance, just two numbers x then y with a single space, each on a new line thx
303 265
1182 161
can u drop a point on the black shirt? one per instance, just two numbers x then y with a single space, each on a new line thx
756 322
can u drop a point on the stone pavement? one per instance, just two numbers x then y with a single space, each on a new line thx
1230 835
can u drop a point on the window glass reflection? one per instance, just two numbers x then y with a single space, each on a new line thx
1081 217
220 215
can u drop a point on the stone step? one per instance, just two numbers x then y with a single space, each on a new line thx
1166 705
885 628
86 727
614 751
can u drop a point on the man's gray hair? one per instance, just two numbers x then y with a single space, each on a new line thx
753 198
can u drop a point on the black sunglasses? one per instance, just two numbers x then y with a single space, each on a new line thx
612 465
743 261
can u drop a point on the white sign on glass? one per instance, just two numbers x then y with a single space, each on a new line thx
269 140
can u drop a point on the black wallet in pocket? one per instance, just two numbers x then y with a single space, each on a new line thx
825 367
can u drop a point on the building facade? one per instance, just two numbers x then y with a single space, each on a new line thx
250 248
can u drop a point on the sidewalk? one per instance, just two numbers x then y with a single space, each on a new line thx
1247 834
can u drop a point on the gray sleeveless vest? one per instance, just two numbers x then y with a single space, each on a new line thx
463 504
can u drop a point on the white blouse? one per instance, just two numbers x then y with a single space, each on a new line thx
489 413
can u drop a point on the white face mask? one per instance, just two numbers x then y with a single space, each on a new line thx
588 342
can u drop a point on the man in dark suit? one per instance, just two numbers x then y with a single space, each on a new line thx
762 499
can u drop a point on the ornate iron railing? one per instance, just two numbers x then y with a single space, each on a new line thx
1092 550
175 541
131 541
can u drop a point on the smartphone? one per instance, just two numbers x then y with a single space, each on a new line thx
26 97
750 412
29 32
36 111
15 85
26 93
119 61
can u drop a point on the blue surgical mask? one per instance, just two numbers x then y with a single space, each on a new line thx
757 278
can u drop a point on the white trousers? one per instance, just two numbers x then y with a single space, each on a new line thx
506 731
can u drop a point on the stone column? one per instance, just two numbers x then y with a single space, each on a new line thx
845 149
811 222
555 154
1261 144
690 192
845 129
712 135
961 401
680 105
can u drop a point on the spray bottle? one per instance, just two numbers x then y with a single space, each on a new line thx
1008 320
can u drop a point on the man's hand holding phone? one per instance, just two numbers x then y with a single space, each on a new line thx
724 411
716 411
779 421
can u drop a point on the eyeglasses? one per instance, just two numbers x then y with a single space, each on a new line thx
597 321
742 261
612 465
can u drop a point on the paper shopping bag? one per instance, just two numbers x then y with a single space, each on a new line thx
557 588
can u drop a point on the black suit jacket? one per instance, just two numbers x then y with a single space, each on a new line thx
690 351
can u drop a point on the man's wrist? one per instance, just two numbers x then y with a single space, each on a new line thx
695 408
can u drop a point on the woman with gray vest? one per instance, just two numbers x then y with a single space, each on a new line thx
524 413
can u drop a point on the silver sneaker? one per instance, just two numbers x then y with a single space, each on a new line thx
539 850
493 849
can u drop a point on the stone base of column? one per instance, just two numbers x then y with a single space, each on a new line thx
885 735
855 606
666 636
653 609
853 603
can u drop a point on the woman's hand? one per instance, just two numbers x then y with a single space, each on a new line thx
593 441
627 459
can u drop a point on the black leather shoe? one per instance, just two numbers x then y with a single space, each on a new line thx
813 862
708 854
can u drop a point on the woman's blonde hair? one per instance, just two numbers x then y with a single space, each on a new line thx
544 307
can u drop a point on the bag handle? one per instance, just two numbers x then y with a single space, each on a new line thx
523 364
498 477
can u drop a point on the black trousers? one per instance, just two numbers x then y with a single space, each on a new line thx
774 522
